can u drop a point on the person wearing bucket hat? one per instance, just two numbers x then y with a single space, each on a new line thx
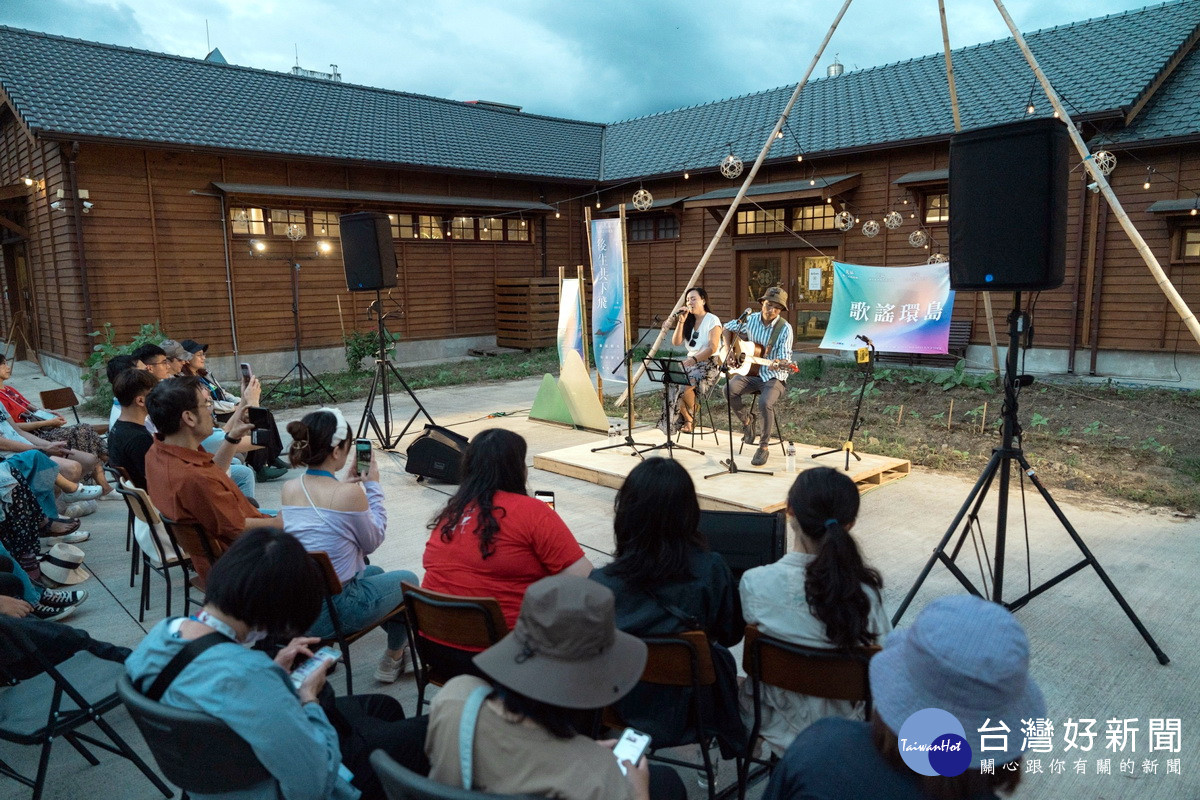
564 655
769 329
950 692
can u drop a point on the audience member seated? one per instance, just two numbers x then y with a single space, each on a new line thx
819 595
266 587
564 655
265 460
56 643
27 520
492 539
963 655
52 427
21 597
666 581
128 439
185 482
346 519
73 465
176 355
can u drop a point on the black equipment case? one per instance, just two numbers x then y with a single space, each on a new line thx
436 453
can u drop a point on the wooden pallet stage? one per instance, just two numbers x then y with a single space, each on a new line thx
766 493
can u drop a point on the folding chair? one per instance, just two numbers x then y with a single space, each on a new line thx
159 550
56 399
445 631
197 752
683 660
56 703
200 547
816 672
332 585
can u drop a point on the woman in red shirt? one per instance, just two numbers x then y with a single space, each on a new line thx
492 539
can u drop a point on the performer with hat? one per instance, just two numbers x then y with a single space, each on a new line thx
771 331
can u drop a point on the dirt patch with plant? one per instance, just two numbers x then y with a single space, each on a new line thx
1109 443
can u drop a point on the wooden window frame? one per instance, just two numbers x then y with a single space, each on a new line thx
250 221
1179 243
924 206
755 221
292 219
801 223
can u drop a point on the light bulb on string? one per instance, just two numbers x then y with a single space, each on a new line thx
557 215
799 157
1146 185
686 175
812 182
1193 212
1029 109
597 201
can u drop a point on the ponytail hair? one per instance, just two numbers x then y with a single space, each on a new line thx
825 503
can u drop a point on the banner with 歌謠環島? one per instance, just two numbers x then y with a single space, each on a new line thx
608 298
900 309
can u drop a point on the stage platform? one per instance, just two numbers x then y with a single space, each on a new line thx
738 492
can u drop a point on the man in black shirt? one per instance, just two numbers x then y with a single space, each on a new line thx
128 439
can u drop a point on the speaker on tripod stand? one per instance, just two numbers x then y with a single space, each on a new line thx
1008 212
369 256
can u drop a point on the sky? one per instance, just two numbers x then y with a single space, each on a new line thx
579 59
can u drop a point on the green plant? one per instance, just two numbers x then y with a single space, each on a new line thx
360 345
105 348
1038 421
1091 427
1064 431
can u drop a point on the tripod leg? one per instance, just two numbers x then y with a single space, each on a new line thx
1089 558
939 552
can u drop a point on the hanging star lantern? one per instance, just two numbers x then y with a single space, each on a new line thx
893 219
642 200
843 221
918 238
870 228
731 166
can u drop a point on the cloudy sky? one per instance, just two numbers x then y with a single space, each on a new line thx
582 59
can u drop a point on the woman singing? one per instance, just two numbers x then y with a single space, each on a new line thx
700 329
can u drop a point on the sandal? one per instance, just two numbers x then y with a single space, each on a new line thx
47 530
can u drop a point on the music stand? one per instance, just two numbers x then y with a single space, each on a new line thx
627 440
669 372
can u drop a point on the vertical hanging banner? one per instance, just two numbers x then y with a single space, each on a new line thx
608 298
900 309
570 320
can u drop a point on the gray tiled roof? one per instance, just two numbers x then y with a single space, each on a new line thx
1101 66
67 86
1173 111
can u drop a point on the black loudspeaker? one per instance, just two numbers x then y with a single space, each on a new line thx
436 453
1008 207
745 538
368 252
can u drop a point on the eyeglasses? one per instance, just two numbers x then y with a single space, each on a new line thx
774 306
155 363
206 405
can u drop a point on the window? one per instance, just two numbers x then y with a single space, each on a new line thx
429 227
645 229
937 207
463 228
1189 244
491 229
247 221
325 224
283 219
817 217
640 229
768 220
517 229
402 226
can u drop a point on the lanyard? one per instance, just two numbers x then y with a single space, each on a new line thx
218 625
323 473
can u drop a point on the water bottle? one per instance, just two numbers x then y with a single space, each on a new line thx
612 433
791 458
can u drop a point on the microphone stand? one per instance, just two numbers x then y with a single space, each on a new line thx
627 440
848 446
731 467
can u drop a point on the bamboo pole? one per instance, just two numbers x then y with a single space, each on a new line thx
950 416
1156 270
758 162
987 297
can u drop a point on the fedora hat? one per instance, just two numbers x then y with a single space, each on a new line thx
969 657
565 648
63 564
775 294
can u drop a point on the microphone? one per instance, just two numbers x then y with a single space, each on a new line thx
657 320
749 310
865 340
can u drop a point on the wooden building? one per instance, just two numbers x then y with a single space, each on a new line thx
139 187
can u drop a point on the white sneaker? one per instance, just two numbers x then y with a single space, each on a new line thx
75 537
83 493
110 496
80 508
390 669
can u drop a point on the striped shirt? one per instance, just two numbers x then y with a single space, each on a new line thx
760 333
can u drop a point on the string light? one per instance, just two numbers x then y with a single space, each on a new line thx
686 175
556 214
1193 212
1029 107
1146 185
597 200
778 134
799 157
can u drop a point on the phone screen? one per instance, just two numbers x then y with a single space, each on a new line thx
246 373
362 456
631 747
545 497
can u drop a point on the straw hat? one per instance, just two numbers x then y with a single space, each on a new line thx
966 656
565 648
63 565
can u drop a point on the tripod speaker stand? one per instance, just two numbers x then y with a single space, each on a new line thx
385 371
1002 460
300 368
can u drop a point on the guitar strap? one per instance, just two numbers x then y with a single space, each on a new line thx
776 332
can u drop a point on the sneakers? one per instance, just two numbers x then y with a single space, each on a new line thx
760 456
67 538
747 428
390 669
80 508
61 598
83 493
52 613
269 473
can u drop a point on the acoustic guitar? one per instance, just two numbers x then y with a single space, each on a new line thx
745 358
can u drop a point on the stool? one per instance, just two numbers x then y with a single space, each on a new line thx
702 406
778 432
